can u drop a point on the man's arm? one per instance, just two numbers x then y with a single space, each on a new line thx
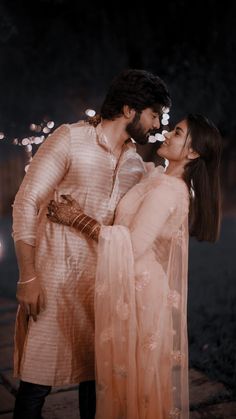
46 170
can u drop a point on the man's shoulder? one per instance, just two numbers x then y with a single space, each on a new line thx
81 126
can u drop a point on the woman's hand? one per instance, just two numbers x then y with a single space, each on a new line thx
64 212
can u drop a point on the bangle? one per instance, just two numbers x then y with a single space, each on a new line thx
26 282
76 219
93 230
89 221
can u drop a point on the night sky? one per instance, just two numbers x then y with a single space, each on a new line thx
57 57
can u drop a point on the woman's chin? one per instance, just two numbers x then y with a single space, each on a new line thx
160 153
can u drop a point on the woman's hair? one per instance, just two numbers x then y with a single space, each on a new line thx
138 89
202 176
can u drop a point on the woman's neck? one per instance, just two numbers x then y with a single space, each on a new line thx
175 169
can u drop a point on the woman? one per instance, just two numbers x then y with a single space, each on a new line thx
141 284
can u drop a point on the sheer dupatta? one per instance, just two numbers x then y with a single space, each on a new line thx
115 330
141 306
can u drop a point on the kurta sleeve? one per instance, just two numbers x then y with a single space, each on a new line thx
46 170
151 217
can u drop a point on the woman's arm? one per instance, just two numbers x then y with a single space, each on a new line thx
70 214
147 224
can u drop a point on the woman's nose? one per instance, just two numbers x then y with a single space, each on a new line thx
167 135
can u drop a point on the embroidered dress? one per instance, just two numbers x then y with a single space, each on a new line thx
58 348
140 304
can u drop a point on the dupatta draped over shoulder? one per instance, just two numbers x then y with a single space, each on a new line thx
141 304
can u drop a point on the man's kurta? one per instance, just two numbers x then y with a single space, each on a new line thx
58 349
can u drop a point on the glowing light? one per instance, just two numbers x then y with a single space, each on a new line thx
90 112
39 140
151 139
164 131
33 127
165 110
155 138
29 148
165 121
25 141
46 130
2 135
50 124
15 141
165 116
160 137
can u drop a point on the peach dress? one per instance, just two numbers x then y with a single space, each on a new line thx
58 348
141 304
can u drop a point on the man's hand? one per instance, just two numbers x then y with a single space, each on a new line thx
31 297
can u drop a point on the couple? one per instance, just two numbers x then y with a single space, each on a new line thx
140 220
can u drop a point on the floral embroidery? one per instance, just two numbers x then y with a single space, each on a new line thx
106 335
122 309
177 357
173 299
142 280
179 237
174 413
151 341
101 288
120 370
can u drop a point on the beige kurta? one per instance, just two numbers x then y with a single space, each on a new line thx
75 159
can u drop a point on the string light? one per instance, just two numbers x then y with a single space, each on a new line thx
46 126
43 128
153 138
90 112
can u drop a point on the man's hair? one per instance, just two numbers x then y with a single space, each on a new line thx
139 89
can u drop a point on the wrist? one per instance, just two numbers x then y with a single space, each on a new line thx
22 281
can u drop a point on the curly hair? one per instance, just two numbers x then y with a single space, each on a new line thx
138 89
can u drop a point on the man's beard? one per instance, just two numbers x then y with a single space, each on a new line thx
136 131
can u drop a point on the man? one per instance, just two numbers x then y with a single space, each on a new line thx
54 341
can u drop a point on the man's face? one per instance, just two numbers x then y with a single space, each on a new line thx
142 124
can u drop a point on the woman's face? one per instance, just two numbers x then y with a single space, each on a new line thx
177 143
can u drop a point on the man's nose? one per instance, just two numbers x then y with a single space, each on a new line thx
156 123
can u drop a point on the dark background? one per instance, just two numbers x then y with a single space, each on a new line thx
57 59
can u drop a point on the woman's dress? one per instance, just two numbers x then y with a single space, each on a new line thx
141 304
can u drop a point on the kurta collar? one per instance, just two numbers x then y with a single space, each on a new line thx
102 141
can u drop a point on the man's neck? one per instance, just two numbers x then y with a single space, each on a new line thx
115 134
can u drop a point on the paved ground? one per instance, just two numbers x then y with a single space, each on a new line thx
209 400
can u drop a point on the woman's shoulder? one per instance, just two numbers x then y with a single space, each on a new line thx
156 175
159 181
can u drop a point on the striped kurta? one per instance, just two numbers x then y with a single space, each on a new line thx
58 349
